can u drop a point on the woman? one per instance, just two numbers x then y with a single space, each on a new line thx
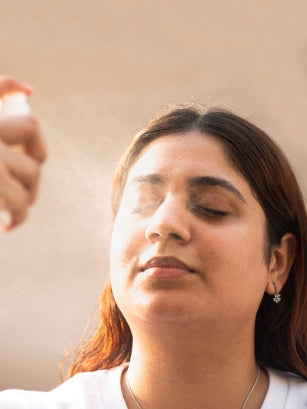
207 303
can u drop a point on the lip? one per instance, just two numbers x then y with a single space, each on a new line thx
166 267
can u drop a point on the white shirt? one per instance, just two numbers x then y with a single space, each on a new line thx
102 390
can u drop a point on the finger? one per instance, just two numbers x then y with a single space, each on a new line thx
8 220
24 168
13 194
9 84
23 130
18 218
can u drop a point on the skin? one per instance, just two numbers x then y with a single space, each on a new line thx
192 325
19 168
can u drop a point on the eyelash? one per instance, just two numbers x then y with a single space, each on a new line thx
202 211
142 209
208 211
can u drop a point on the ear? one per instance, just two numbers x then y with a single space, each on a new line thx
281 262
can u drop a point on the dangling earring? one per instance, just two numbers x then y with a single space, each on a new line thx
277 296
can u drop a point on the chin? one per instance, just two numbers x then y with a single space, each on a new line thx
164 307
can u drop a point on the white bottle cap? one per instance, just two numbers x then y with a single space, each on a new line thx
15 104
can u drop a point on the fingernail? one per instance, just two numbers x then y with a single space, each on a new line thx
5 219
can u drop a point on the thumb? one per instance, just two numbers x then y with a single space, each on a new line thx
9 85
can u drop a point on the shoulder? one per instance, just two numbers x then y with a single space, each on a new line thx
83 391
285 390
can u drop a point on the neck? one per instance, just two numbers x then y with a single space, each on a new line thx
216 373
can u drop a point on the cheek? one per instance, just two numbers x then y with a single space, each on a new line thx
125 243
124 252
236 253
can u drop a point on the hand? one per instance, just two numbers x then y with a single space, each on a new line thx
22 152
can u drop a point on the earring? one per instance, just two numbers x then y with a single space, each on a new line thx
277 296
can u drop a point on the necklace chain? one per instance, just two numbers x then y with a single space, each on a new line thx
251 389
242 407
131 393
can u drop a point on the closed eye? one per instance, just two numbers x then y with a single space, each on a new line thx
205 211
145 208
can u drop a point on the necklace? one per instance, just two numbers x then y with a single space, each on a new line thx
251 389
242 407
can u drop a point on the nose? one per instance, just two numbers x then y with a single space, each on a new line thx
169 222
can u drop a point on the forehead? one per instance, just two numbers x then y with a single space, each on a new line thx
188 155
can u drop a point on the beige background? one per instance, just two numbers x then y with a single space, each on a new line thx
100 70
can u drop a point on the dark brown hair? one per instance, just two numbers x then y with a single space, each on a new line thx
281 330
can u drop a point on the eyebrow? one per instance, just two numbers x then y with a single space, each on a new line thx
195 182
153 179
204 181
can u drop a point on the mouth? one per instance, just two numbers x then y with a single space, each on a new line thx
166 267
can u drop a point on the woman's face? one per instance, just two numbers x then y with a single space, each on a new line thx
189 238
